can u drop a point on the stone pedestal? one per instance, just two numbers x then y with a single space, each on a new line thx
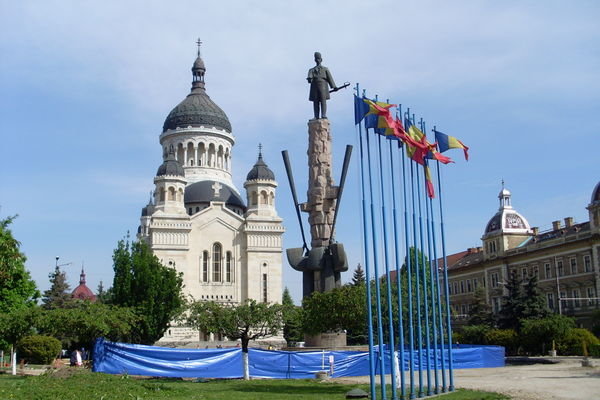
321 190
328 340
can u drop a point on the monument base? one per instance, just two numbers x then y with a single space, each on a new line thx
326 340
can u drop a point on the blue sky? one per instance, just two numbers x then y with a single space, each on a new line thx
85 87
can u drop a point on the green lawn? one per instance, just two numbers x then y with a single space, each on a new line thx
85 385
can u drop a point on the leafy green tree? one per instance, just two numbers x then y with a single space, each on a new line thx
481 312
247 321
17 289
358 278
39 349
512 310
15 325
80 325
103 295
537 334
143 283
292 318
342 308
576 340
58 296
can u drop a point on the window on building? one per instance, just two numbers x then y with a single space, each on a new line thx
494 279
450 289
536 272
264 288
550 297
205 266
496 304
469 289
455 288
573 262
523 273
474 283
548 270
587 263
591 293
228 266
217 252
563 295
560 268
576 295
462 286
463 310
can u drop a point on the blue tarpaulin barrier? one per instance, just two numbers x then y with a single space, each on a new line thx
136 359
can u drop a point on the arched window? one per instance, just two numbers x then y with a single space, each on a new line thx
228 267
217 251
264 197
171 193
205 266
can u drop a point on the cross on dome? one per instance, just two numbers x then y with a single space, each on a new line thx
217 188
199 43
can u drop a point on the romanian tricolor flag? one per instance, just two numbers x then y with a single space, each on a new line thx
446 142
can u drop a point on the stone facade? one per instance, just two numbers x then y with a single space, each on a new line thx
228 248
565 259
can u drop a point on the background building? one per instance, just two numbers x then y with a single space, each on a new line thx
565 259
228 246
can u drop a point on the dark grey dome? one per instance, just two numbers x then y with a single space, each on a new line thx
260 171
197 109
204 192
596 193
170 166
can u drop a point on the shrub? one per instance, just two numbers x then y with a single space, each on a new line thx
475 334
537 334
595 350
502 337
39 349
572 344
457 337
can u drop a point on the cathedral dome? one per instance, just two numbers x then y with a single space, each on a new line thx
204 192
596 194
170 166
82 292
197 109
507 219
260 170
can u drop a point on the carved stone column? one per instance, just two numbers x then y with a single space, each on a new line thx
321 190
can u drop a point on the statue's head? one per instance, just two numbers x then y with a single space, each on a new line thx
318 58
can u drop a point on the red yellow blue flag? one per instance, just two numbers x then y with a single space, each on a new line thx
446 142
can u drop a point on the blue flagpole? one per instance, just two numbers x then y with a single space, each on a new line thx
376 270
398 264
424 276
417 280
446 291
438 295
367 266
411 340
392 345
431 296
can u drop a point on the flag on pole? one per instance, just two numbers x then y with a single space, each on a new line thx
446 142
360 109
428 181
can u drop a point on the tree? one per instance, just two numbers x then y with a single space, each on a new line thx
80 325
58 296
292 318
17 289
15 325
358 278
18 292
143 283
539 333
247 321
534 303
511 312
342 308
481 312
102 295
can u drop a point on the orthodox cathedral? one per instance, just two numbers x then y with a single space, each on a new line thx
227 245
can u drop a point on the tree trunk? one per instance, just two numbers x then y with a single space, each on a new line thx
245 358
14 360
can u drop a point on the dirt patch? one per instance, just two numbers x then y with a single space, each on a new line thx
66 372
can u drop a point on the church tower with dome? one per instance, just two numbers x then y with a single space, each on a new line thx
227 245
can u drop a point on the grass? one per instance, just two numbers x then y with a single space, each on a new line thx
78 384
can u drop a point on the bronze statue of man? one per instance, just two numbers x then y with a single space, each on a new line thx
320 80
